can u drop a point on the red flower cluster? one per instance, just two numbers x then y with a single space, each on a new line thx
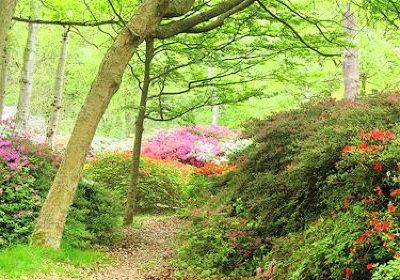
395 193
379 206
381 135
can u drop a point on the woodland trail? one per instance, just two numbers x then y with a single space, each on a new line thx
145 252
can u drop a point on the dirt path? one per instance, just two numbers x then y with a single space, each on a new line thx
145 253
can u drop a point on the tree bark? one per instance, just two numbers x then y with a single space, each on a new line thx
137 145
129 124
58 91
215 108
3 79
144 22
23 109
350 63
7 8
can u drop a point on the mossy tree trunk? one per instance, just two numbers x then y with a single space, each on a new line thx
137 145
3 79
7 8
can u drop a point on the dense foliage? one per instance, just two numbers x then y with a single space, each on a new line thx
27 170
160 185
327 159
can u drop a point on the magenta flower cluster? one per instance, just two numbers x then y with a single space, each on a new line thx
11 156
188 144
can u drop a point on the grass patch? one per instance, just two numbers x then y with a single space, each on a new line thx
23 261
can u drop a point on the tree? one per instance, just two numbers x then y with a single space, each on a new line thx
137 145
26 87
7 8
350 63
58 90
144 24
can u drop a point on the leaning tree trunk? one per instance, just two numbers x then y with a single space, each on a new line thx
58 91
350 63
137 145
23 109
3 79
51 221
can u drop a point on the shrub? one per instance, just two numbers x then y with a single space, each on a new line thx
160 185
295 173
216 243
283 179
26 173
320 252
95 217
195 145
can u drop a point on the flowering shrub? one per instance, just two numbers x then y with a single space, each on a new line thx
194 145
210 168
305 167
217 243
375 153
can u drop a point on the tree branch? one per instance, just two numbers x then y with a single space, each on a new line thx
179 26
67 23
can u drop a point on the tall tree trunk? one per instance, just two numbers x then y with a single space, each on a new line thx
350 63
3 79
137 145
215 108
58 91
7 8
23 109
144 22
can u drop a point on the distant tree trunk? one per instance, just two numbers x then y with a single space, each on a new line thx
350 63
215 108
23 109
7 8
129 122
58 91
144 22
364 79
137 145
3 79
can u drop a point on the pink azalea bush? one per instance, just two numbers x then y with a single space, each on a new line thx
195 145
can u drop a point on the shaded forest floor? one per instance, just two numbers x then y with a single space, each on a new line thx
145 252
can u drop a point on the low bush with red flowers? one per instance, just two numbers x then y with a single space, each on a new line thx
375 153
321 185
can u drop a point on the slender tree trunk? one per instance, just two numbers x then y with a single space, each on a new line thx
350 63
137 145
364 80
3 79
144 22
23 109
215 108
129 122
58 91
7 8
